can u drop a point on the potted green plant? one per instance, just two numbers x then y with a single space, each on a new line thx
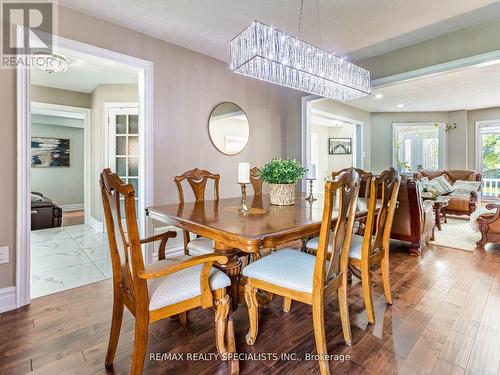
282 176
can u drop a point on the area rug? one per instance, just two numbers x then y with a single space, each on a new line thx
456 234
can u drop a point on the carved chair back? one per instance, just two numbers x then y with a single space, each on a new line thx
256 181
383 189
364 178
197 179
341 195
124 242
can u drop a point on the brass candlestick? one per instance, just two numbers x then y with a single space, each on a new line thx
243 205
310 197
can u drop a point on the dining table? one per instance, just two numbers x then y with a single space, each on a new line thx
263 226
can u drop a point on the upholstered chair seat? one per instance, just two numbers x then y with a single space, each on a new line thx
200 246
182 285
287 268
354 251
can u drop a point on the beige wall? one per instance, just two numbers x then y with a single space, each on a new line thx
187 85
457 141
125 93
51 95
381 133
8 186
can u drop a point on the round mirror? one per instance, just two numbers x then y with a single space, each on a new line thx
228 128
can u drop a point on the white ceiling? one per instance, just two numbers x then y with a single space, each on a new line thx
471 88
207 26
325 119
85 73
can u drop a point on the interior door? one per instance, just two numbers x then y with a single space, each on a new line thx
123 148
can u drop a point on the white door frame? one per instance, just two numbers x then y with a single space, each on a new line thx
86 149
306 132
23 220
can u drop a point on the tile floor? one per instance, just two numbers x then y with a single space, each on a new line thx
67 257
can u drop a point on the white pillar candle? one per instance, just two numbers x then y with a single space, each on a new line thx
243 173
311 172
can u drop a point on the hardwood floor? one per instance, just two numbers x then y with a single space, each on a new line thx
73 218
445 320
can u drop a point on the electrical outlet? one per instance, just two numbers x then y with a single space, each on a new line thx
4 254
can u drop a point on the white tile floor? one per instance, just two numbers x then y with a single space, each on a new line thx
67 257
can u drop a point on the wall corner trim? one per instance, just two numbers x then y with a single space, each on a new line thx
8 299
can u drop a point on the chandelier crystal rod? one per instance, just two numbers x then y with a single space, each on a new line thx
266 53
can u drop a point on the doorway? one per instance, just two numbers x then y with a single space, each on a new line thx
329 141
80 246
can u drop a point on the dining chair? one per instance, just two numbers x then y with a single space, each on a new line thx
256 181
164 289
372 248
307 278
197 179
364 190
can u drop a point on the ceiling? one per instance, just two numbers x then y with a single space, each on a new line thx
363 27
325 119
470 88
85 73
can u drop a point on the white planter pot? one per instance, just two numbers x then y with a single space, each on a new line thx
282 194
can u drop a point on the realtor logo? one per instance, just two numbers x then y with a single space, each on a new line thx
37 21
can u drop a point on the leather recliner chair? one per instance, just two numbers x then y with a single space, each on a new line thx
414 218
45 213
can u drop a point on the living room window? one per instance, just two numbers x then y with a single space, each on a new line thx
418 146
488 155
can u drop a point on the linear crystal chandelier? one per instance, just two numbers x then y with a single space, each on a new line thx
264 52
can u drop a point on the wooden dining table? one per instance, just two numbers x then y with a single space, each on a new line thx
263 226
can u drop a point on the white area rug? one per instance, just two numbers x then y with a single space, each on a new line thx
457 234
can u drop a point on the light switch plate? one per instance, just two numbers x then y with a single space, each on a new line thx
4 254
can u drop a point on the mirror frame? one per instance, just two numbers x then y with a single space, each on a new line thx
208 127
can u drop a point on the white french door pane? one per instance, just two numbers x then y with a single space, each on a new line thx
133 145
133 167
121 124
121 166
121 145
133 124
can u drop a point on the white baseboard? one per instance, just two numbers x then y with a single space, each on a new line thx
7 299
95 225
72 207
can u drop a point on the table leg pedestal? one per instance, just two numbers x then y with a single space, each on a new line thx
233 269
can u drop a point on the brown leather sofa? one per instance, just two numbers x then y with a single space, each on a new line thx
414 217
45 213
459 205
